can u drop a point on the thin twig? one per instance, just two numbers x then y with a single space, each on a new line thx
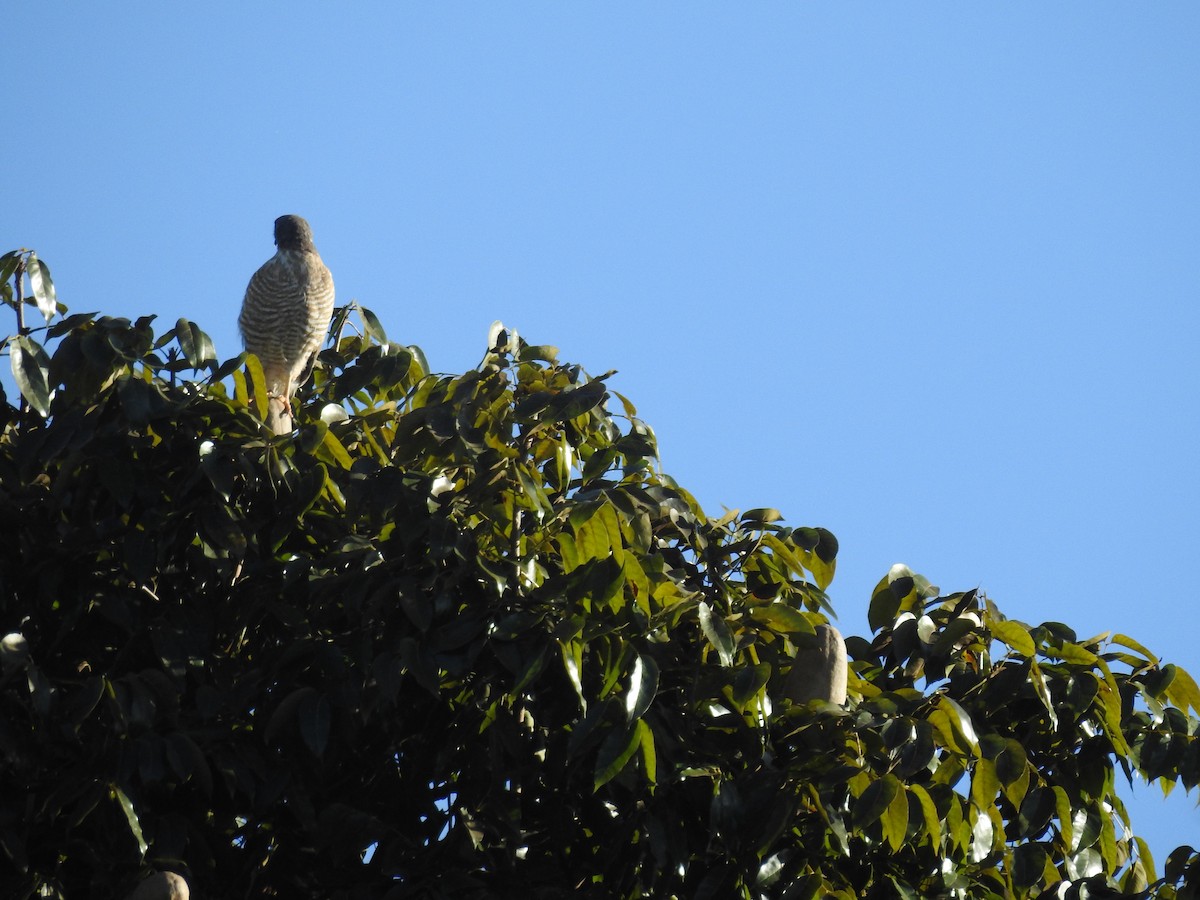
19 284
19 277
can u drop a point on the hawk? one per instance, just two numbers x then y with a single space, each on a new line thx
285 315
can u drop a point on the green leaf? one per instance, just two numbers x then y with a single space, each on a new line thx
258 385
642 687
31 371
43 287
241 392
1126 641
717 632
539 352
1029 863
131 817
572 654
953 725
929 814
1074 653
649 757
333 448
8 264
197 346
607 518
782 618
893 594
1183 692
1062 810
875 801
1034 816
573 403
1146 859
618 748
626 405
591 542
748 682
1015 635
315 718
762 515
895 818
1043 693
984 783
1011 762
372 325
1110 708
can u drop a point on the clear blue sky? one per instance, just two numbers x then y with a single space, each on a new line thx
925 274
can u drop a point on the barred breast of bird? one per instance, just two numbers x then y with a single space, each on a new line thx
287 308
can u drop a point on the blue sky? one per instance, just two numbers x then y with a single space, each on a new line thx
924 274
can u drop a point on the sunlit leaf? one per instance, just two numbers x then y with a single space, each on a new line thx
131 817
929 814
642 687
1015 635
1126 641
617 749
895 819
258 385
572 654
982 833
782 618
717 632
984 783
43 287
649 756
336 451
953 724
1183 691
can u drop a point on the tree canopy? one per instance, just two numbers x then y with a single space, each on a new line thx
461 636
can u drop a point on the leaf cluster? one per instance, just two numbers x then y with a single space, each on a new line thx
461 636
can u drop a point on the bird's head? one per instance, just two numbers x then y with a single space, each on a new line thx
293 233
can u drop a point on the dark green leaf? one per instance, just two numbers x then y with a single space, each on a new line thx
617 749
30 368
197 347
1035 813
575 402
1029 861
315 717
1010 762
875 800
8 264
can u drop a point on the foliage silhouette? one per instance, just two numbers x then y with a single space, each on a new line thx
460 636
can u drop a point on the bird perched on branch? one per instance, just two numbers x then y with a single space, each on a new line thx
285 315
